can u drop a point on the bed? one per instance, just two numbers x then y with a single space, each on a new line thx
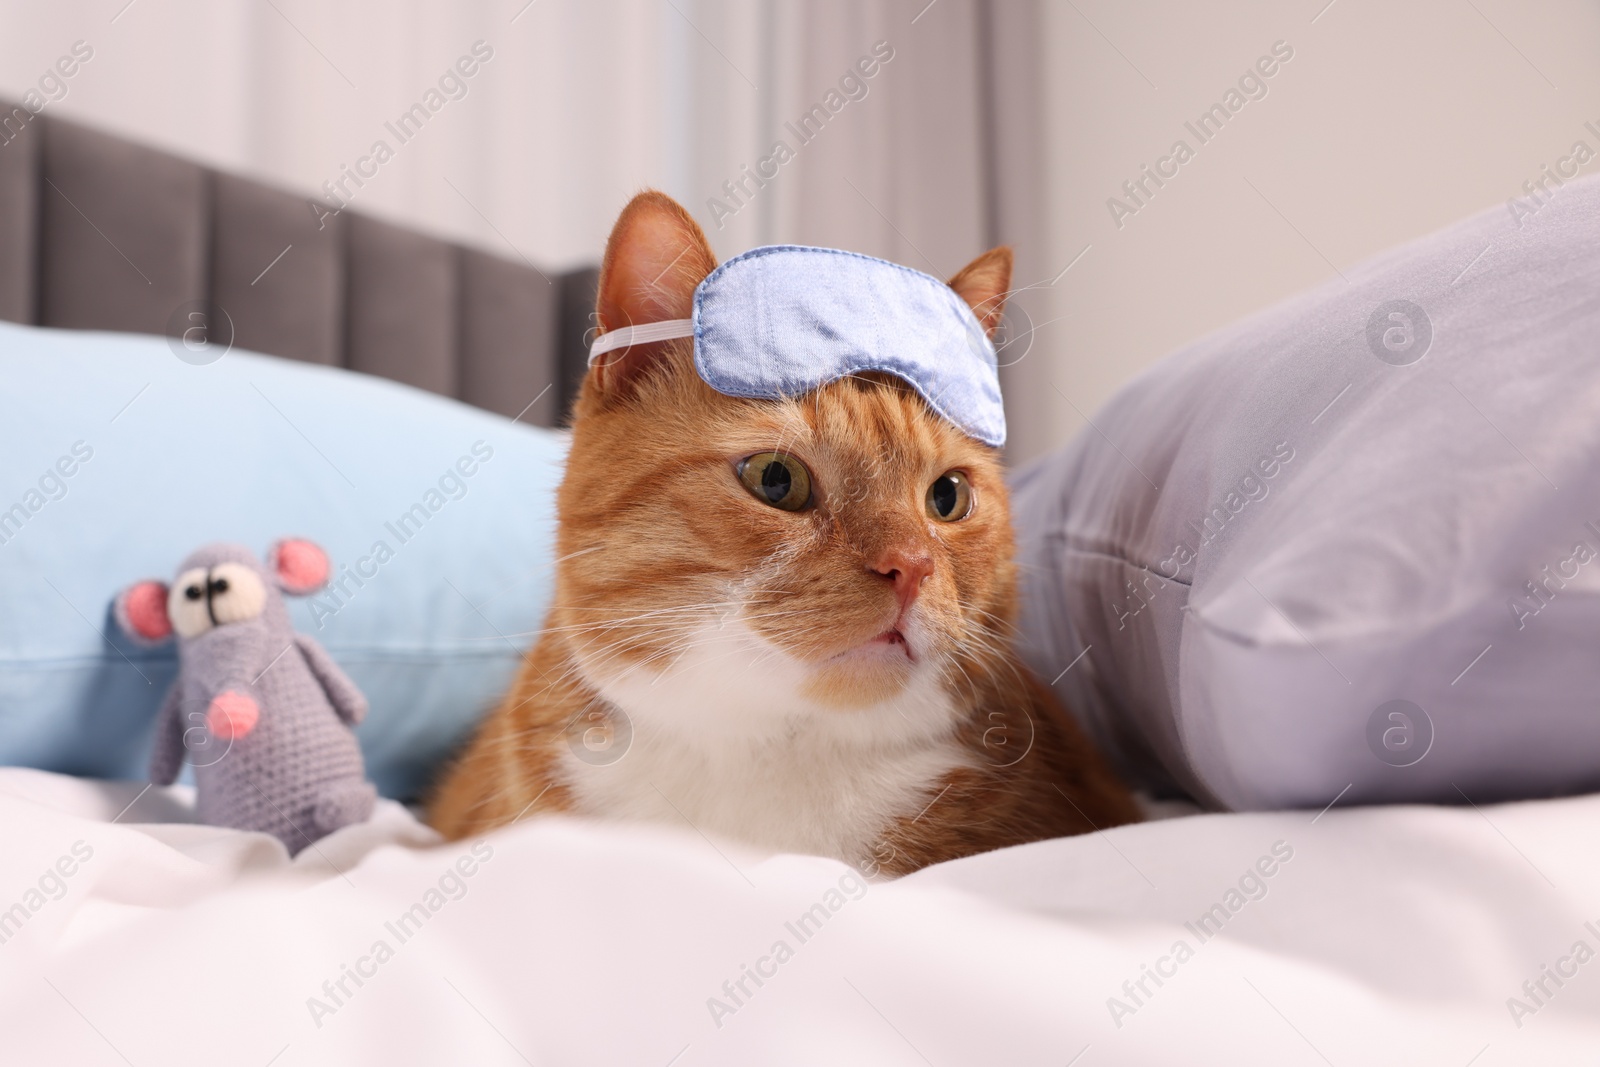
1323 934
1393 935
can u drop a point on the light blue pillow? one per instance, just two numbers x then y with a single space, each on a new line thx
121 458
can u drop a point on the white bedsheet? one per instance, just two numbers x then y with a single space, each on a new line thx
1392 935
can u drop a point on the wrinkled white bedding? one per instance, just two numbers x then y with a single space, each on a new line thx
1387 935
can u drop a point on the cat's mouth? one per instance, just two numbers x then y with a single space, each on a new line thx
893 640
873 670
890 647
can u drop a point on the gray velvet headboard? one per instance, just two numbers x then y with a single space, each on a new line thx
98 233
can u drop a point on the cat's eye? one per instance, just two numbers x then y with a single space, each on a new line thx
776 479
950 497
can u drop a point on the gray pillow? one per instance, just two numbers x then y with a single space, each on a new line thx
1351 545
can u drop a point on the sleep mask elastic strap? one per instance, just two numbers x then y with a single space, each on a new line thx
638 335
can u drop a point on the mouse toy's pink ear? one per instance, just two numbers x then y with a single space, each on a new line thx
141 611
300 565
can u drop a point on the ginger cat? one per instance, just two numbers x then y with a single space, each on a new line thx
788 618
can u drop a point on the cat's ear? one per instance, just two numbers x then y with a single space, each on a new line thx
984 284
655 258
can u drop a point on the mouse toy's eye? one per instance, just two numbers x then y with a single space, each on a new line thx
186 604
950 497
228 592
236 593
776 479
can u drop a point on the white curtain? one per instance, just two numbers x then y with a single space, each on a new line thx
581 104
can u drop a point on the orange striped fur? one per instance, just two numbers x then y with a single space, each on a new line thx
730 645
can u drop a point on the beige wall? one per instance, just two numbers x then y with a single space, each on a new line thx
1394 118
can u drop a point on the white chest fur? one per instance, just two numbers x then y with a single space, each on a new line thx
723 739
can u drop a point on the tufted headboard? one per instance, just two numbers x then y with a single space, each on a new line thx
98 233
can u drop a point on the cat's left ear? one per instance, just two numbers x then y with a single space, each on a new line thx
984 284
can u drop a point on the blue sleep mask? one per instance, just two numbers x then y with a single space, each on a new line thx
779 321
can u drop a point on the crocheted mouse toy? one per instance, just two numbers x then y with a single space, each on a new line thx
263 713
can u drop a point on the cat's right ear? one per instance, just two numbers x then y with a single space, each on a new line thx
655 258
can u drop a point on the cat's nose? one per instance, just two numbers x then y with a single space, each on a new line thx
908 569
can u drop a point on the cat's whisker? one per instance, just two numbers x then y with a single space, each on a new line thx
617 623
